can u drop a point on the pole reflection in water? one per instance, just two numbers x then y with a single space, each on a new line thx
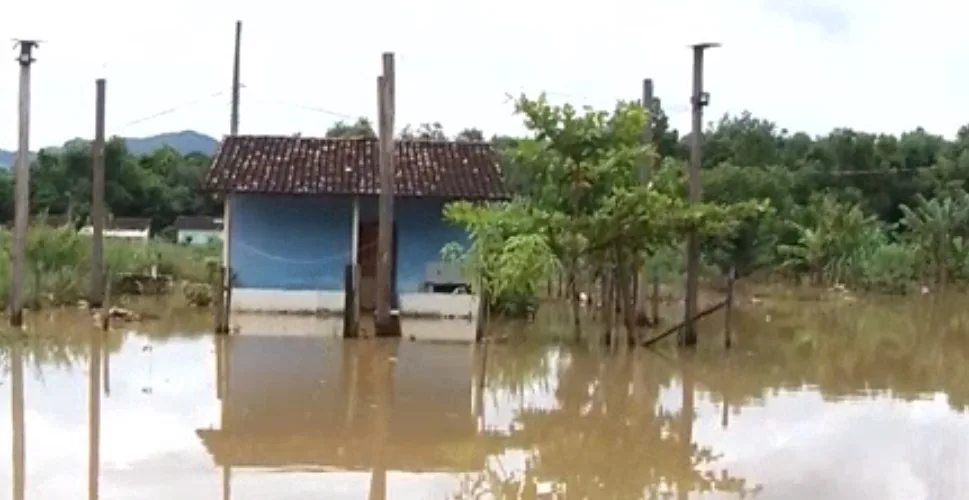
382 357
17 408
687 414
94 414
106 374
222 355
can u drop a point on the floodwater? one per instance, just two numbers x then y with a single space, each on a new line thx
837 401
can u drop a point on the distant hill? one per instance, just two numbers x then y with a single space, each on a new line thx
185 142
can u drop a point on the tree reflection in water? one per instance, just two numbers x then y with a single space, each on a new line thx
608 436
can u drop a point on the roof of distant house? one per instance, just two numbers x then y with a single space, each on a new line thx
198 223
128 223
349 166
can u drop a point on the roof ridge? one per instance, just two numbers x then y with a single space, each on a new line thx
320 165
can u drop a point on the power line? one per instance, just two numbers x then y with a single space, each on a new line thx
588 100
303 106
311 108
171 110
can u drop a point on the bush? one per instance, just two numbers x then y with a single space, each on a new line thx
516 305
197 294
59 262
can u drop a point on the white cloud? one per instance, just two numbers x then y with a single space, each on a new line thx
809 64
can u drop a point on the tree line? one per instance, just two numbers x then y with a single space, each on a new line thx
849 206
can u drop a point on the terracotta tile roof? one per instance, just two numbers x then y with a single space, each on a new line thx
312 166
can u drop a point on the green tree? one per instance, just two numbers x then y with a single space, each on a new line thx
360 128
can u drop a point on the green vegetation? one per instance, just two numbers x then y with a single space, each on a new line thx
59 264
585 212
160 185
871 212
868 211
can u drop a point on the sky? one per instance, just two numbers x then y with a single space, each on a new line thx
812 65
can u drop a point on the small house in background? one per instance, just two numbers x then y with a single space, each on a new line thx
132 228
299 210
198 229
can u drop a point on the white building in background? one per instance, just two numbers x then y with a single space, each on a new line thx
198 229
132 228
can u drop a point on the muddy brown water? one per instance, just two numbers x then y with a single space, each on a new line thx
845 400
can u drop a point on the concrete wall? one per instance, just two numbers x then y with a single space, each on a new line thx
303 243
127 234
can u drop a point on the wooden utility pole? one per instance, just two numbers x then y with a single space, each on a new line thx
698 100
22 187
647 102
236 70
384 325
96 293
645 172
224 287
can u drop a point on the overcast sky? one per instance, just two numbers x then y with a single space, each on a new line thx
885 65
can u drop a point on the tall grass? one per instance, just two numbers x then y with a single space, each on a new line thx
59 263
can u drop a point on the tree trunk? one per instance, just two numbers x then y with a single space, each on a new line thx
574 298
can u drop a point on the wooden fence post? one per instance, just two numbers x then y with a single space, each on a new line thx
228 298
483 312
219 292
106 300
351 325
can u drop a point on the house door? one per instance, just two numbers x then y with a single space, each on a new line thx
367 257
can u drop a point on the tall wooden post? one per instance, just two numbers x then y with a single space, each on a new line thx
227 282
642 291
236 75
96 293
728 311
22 187
219 303
698 101
384 325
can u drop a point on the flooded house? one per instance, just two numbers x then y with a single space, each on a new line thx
299 210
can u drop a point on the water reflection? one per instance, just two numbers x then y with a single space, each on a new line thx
846 402
94 414
19 432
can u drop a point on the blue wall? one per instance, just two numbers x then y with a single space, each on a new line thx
303 243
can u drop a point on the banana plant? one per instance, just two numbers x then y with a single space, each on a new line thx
932 227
